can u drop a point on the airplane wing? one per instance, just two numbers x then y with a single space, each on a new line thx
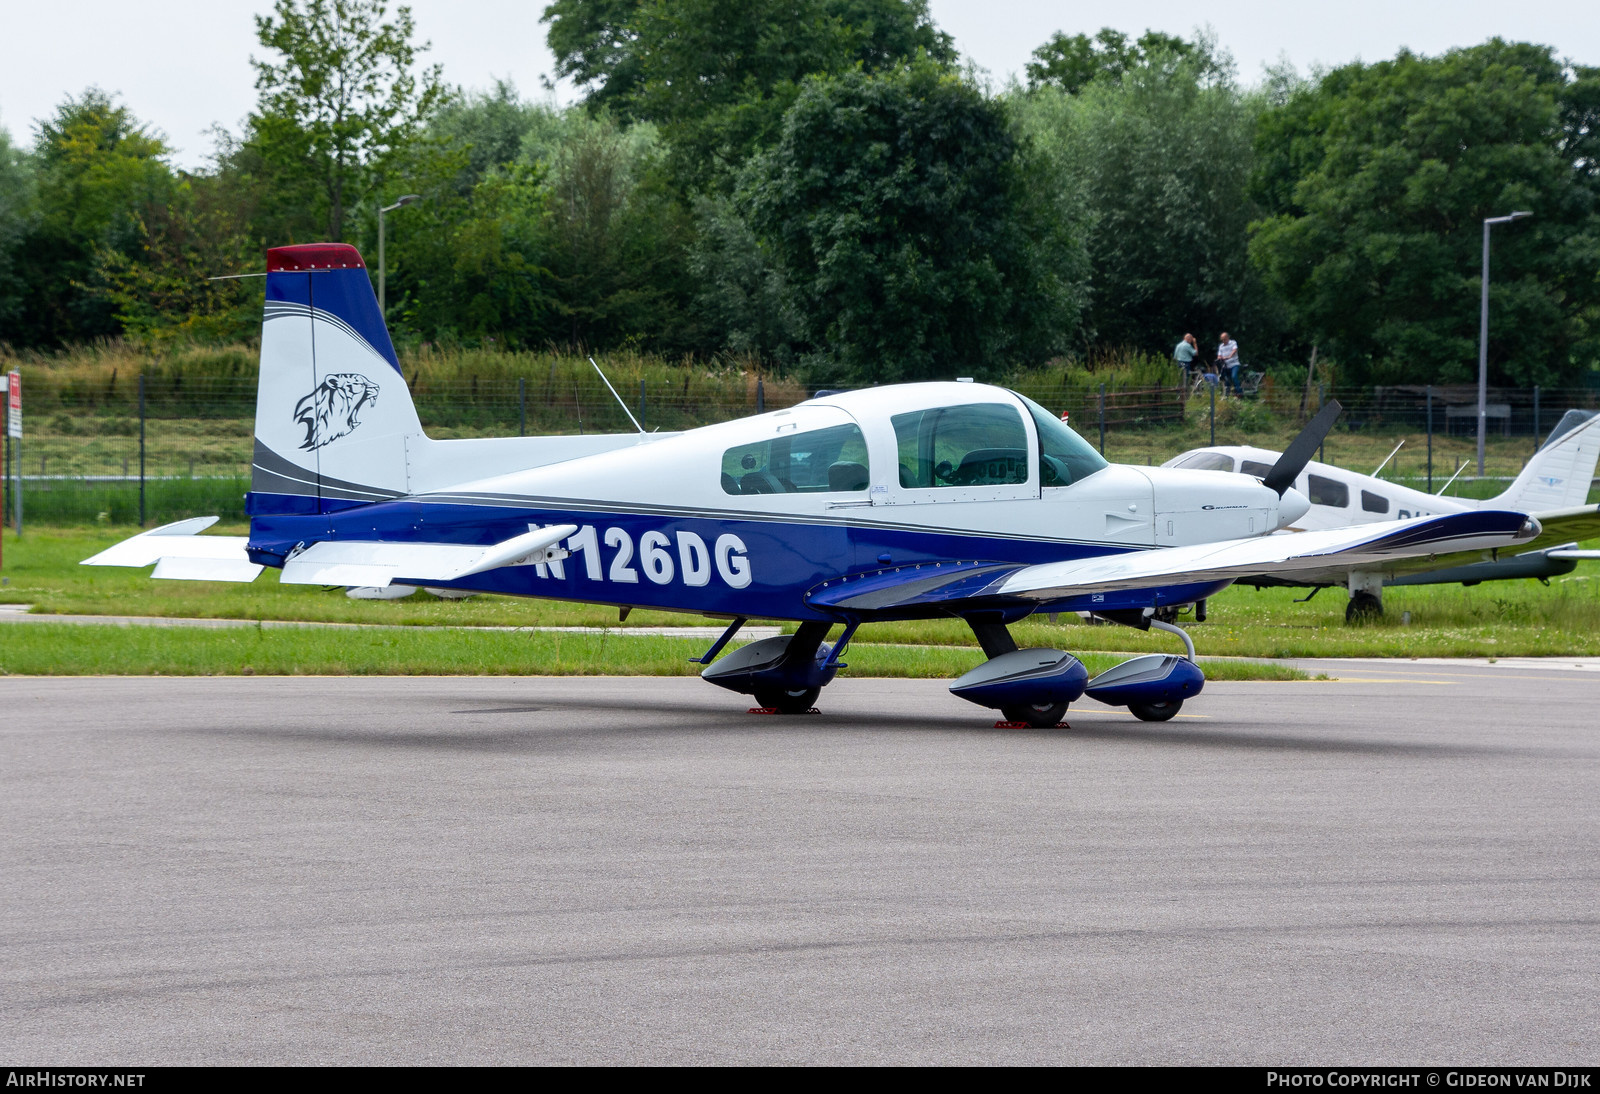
954 586
180 552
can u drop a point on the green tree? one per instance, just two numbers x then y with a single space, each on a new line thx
595 43
338 107
1160 163
742 297
718 75
1071 63
1377 180
900 208
162 292
616 240
16 219
563 235
97 170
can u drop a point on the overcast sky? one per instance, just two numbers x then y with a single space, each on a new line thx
183 65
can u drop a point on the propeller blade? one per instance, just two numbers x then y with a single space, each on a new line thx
1302 448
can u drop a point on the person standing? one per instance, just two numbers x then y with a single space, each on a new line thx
1228 363
1183 353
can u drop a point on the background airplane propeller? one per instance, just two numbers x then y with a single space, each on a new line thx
1302 448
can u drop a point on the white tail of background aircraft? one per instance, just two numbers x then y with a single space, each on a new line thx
1559 474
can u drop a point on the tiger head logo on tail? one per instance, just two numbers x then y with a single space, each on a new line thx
331 411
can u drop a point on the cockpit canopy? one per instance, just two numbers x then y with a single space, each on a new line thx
970 443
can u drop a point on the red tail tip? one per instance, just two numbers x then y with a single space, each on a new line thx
314 256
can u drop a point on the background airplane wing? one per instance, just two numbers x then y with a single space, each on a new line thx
1572 525
956 585
1560 528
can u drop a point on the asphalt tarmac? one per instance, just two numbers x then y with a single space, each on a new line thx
1401 866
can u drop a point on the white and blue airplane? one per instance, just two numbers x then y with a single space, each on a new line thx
1553 487
931 500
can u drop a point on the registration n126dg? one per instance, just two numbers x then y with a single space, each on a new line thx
683 557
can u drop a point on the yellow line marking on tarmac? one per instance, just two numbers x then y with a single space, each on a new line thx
1422 677
1386 680
1074 712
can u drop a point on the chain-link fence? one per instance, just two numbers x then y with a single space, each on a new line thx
160 448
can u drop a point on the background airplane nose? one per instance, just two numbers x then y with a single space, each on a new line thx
1292 506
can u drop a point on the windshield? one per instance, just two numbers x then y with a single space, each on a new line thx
1064 457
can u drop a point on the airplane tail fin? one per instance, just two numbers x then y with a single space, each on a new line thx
1560 473
334 416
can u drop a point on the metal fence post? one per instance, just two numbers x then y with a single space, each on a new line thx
1430 438
1213 386
641 403
1536 414
522 406
13 469
1102 419
761 397
141 450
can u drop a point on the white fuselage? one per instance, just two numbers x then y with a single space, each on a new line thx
1338 498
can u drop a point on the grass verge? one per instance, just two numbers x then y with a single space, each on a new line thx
64 649
1497 619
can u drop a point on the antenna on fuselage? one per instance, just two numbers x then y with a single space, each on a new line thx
618 398
1439 492
1390 456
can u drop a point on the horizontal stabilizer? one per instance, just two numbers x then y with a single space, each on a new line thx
376 564
178 551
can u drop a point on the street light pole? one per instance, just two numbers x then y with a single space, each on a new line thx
1483 331
383 266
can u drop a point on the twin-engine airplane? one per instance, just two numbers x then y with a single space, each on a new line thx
1553 488
918 501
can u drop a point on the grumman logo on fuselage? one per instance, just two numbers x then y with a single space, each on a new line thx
330 412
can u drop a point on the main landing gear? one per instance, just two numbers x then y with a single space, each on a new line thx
1032 686
785 673
1366 598
1036 686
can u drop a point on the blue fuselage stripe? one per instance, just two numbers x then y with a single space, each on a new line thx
716 566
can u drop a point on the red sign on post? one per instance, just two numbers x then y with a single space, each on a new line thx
14 404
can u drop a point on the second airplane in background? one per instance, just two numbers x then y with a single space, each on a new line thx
1554 487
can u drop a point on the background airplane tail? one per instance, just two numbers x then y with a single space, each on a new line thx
1560 473
334 416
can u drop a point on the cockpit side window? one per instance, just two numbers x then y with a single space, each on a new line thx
979 444
1326 491
1206 461
832 460
1064 457
1256 468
